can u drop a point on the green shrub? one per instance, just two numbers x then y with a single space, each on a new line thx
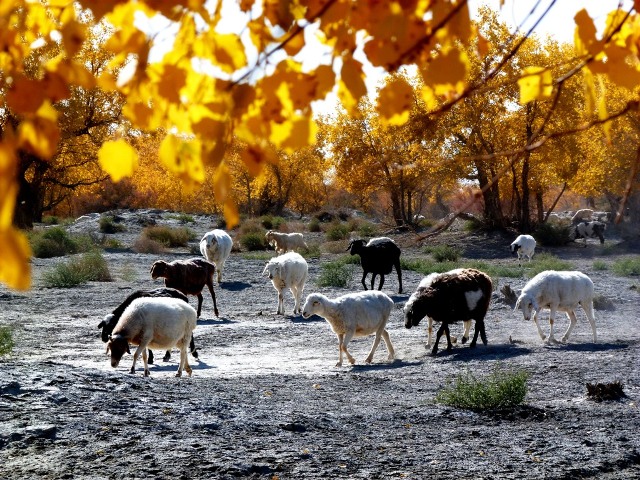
314 225
169 236
262 256
426 266
495 270
89 267
52 242
251 225
444 253
551 235
50 220
312 251
337 231
335 274
108 224
6 340
546 261
181 217
253 241
272 223
501 389
627 267
599 265
367 229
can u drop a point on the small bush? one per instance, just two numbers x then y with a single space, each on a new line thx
89 267
500 389
312 251
144 244
113 243
314 225
599 265
425 266
262 256
338 247
627 267
272 223
335 274
337 231
546 261
168 236
108 224
128 272
181 217
52 242
6 340
367 229
253 241
551 235
50 220
251 225
444 253
495 270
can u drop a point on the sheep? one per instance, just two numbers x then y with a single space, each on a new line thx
378 256
581 215
354 315
523 246
216 246
153 323
460 294
283 242
289 270
107 325
586 230
558 290
188 276
424 284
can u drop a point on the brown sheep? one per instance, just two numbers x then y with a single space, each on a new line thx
188 276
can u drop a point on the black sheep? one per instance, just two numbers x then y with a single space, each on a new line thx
379 256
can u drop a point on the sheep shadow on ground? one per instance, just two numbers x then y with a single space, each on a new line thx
393 365
215 321
234 286
301 319
484 352
590 347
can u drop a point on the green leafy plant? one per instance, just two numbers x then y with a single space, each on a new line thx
337 231
91 266
335 274
599 265
52 242
253 241
181 217
627 267
500 389
6 340
444 253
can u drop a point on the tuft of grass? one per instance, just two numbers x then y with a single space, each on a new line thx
443 253
272 223
263 256
495 270
181 217
169 236
314 225
551 235
500 389
313 251
335 274
600 265
426 266
128 272
6 340
90 267
547 261
253 241
627 267
52 242
144 244
337 231
108 224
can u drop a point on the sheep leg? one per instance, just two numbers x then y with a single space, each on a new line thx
447 333
479 329
572 323
373 280
136 354
399 272
381 282
387 342
340 340
345 340
167 355
150 356
438 335
192 347
213 297
467 328
588 310
296 297
145 362
219 268
552 319
200 299
280 310
364 277
184 358
535 320
429 332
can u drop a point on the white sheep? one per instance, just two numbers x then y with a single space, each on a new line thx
523 246
153 322
354 315
422 286
580 215
216 246
291 271
558 290
283 242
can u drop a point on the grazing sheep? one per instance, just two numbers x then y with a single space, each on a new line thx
354 315
581 215
378 256
283 242
110 320
460 294
523 246
424 284
586 230
153 323
558 290
188 276
291 271
216 246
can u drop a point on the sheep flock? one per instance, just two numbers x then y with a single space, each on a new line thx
163 319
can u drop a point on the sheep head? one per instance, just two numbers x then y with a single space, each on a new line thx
105 323
158 269
313 305
527 304
355 246
118 346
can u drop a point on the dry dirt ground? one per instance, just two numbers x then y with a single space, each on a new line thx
265 400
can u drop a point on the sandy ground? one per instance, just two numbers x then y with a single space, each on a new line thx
265 400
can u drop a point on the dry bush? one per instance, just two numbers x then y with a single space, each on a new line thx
144 244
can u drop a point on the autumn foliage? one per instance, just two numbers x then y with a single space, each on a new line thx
222 112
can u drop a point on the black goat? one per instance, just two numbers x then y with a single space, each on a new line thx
379 256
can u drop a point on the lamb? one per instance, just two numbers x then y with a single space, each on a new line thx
378 256
291 271
523 246
283 242
558 290
188 276
354 315
110 320
216 246
153 323
586 230
460 294
424 284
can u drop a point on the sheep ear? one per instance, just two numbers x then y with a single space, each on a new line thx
108 347
101 324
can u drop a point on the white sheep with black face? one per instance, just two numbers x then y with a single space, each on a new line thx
523 246
354 315
558 291
288 271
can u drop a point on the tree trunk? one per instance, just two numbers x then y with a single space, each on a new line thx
491 196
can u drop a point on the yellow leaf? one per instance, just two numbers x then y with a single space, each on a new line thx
73 36
171 80
293 134
602 112
294 45
40 134
352 86
25 95
447 72
15 269
395 101
586 32
229 52
118 159
535 84
221 188
182 157
254 158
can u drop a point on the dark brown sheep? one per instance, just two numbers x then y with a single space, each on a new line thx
188 276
